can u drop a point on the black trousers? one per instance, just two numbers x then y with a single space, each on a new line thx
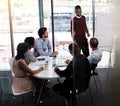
62 89
83 44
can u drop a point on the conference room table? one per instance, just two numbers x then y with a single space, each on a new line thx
48 72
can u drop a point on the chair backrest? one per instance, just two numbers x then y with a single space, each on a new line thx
11 65
6 85
82 73
11 68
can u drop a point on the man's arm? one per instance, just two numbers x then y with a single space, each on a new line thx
86 29
72 28
65 73
49 47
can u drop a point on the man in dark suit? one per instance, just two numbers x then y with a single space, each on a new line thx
77 69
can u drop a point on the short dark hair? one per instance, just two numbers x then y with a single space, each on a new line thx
21 49
30 41
74 48
77 7
41 31
94 42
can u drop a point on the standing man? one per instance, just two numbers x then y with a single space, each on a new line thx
79 30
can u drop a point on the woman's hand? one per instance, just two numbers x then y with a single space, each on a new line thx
41 68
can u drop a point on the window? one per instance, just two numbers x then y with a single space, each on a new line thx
25 20
5 45
62 18
63 11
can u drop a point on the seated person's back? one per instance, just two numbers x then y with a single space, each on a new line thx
82 72
78 68
96 54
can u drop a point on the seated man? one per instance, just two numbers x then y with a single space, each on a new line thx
78 69
42 44
30 57
95 55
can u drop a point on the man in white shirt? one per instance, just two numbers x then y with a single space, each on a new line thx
96 54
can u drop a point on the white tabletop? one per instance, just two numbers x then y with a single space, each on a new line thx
45 74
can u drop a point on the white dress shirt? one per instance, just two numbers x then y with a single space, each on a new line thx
42 47
95 56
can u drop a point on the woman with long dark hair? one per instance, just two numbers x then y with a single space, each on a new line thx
22 81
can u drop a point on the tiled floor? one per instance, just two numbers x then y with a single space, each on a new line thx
102 97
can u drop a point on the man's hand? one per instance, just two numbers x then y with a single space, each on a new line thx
55 53
67 61
88 34
56 69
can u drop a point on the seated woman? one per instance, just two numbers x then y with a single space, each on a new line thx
23 80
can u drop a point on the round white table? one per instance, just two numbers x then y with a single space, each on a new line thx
49 72
46 74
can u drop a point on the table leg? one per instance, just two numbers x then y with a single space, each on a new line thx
40 92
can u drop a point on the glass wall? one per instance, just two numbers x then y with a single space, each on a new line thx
25 22
63 12
25 17
104 25
5 45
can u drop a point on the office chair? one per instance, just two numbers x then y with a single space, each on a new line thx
95 75
7 88
81 84
79 89
77 82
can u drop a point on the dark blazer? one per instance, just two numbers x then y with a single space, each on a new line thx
79 69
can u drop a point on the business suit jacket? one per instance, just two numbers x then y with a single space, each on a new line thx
79 70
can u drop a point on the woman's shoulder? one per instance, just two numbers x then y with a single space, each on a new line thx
21 61
18 62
